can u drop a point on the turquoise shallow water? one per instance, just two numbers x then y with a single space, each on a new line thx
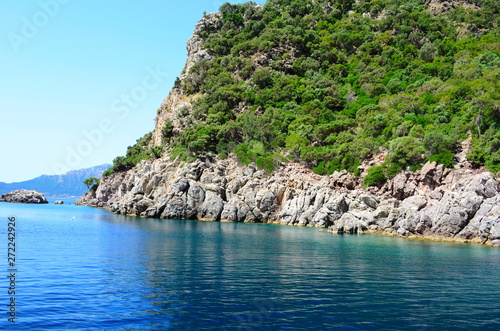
108 272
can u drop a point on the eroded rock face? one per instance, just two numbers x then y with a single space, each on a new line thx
177 104
437 202
24 196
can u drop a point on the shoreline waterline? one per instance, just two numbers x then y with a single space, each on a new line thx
430 238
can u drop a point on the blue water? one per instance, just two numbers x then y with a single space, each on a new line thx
108 272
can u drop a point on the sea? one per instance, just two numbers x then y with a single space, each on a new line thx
79 268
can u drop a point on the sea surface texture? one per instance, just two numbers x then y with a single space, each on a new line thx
101 271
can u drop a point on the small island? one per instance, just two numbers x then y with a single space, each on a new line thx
24 196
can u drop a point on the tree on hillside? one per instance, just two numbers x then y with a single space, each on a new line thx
92 184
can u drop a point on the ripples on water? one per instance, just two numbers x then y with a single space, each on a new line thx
109 272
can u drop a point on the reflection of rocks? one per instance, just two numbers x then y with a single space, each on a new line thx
24 196
433 202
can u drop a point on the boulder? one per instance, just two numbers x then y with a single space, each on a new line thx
212 207
351 222
485 225
415 203
432 174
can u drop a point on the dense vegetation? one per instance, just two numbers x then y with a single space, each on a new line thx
332 83
142 150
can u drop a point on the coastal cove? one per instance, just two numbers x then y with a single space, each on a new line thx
109 271
315 165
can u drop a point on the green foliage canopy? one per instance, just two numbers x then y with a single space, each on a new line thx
331 83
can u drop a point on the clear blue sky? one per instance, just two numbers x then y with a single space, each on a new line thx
82 80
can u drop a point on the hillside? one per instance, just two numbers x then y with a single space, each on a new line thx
356 116
67 185
331 84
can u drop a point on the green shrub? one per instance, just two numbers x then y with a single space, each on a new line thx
332 88
92 184
262 77
157 151
375 177
244 153
181 152
406 151
328 167
108 172
493 163
167 131
265 163
445 158
134 155
437 142
392 169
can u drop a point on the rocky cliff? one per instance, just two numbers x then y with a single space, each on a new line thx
176 105
434 203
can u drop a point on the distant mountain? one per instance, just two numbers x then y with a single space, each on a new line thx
67 185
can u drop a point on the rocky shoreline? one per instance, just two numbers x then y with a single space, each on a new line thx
434 203
24 196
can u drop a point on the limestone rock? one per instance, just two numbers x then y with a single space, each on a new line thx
414 203
434 201
24 196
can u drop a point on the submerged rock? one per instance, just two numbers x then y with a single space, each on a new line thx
24 196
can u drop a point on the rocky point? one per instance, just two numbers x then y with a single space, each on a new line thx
24 196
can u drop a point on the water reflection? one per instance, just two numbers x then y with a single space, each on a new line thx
246 275
104 271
